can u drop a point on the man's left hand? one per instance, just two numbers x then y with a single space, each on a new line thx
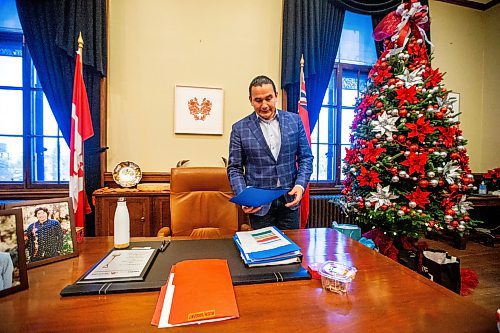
296 191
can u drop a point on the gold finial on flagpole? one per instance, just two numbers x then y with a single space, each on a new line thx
80 41
80 48
302 60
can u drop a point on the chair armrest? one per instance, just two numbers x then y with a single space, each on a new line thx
163 232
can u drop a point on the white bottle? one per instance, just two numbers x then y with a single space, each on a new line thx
121 225
482 188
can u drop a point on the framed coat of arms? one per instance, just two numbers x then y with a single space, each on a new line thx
198 110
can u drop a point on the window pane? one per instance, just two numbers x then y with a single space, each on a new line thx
35 80
347 119
11 69
323 121
11 109
356 42
11 159
49 122
8 16
322 162
47 164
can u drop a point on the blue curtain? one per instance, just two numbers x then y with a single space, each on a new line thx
51 29
311 28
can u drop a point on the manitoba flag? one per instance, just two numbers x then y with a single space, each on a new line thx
304 205
81 130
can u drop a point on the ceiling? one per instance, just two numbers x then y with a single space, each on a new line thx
476 4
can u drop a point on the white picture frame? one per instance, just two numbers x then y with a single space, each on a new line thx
198 110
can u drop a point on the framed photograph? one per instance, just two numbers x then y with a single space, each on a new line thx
13 273
198 110
454 100
49 230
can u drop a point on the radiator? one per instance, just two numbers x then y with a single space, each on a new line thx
322 212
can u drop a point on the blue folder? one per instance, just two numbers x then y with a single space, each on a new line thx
256 197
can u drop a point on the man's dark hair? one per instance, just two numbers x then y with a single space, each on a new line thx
42 208
259 81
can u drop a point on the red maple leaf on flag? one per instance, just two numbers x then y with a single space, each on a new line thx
407 95
420 129
432 77
368 177
447 135
416 163
419 197
351 155
371 153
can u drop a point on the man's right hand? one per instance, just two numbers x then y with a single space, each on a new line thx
251 210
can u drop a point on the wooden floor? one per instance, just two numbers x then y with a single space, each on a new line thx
485 260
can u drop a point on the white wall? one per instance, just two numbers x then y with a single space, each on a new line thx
156 44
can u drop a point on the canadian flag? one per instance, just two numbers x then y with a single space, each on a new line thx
81 130
302 107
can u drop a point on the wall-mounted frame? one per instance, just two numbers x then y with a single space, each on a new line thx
49 230
198 110
454 100
13 272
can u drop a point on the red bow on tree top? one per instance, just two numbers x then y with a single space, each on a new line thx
408 16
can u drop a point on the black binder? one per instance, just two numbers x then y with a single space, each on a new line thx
193 249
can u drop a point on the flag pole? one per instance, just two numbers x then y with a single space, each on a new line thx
81 130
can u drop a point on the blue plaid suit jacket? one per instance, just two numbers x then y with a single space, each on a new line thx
251 162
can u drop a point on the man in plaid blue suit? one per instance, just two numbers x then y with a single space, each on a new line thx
269 149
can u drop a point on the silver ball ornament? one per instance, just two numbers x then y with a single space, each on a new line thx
395 179
431 174
434 182
401 213
461 228
448 218
412 204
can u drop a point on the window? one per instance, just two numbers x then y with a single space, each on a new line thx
330 136
33 152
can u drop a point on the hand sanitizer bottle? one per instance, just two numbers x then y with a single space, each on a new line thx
121 225
482 188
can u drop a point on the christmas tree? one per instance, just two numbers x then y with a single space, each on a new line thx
407 170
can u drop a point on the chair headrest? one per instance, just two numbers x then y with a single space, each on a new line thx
199 179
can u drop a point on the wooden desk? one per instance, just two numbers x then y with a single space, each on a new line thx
385 296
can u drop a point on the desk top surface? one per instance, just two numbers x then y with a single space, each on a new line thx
384 296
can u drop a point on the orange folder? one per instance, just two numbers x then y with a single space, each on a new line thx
203 292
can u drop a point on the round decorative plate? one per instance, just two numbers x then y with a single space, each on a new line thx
127 174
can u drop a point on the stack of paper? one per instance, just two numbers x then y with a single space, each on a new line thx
266 247
197 291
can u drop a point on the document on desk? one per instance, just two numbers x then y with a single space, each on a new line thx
265 243
120 265
197 291
256 197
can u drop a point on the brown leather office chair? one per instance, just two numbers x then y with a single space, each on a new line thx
199 204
